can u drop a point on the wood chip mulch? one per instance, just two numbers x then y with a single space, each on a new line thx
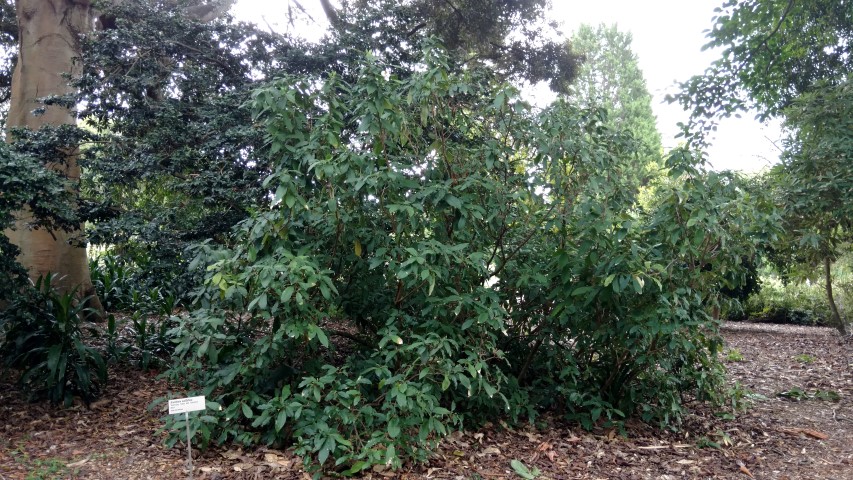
799 425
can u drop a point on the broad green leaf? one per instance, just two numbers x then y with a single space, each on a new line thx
522 470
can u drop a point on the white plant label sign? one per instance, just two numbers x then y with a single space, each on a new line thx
184 405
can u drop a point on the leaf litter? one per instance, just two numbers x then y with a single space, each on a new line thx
807 436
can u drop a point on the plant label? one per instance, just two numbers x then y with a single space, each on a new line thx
184 405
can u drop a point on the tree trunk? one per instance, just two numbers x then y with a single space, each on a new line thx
48 45
837 322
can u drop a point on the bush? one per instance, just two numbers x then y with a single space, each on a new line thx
439 254
124 286
43 336
121 287
41 332
800 297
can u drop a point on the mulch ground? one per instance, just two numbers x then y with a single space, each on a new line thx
799 425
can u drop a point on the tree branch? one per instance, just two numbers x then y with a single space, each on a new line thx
209 11
331 13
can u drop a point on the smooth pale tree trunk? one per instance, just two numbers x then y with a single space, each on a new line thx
48 45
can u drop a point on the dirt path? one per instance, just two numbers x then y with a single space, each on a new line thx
800 426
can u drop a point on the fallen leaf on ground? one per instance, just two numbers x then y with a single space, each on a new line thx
814 434
232 454
79 463
744 470
276 461
548 450
99 404
805 431
490 451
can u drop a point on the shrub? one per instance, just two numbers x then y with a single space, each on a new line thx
801 303
43 336
439 254
41 332
798 295
121 286
124 286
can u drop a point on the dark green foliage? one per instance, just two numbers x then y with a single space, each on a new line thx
147 341
507 35
115 350
127 287
177 159
43 336
814 186
772 52
41 331
26 184
778 50
789 59
152 339
640 297
391 245
114 281
123 287
817 167
171 156
436 253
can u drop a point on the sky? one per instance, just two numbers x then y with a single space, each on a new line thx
668 36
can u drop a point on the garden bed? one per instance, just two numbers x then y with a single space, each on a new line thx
799 425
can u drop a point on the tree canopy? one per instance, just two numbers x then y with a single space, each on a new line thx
8 54
772 52
791 60
507 35
610 77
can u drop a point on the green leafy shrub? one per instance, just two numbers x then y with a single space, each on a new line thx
43 336
152 339
439 254
41 331
805 358
734 355
115 349
147 312
791 302
124 286
797 295
176 158
113 281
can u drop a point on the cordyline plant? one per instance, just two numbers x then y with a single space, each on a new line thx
438 253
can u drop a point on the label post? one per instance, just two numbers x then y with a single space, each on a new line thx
185 406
